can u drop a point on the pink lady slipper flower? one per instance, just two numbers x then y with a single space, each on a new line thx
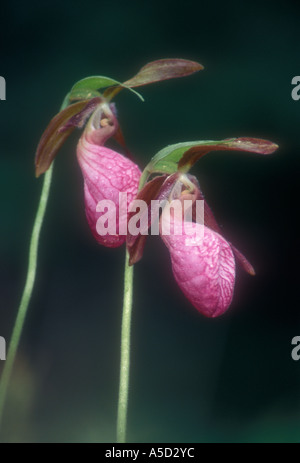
106 174
204 268
203 261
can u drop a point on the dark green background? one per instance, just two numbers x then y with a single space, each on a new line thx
192 380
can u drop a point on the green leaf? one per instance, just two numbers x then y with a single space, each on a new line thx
154 71
83 94
90 84
163 69
167 159
59 129
182 156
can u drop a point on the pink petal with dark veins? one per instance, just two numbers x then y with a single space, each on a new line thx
203 266
106 174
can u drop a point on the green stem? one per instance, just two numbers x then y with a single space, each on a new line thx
21 314
125 352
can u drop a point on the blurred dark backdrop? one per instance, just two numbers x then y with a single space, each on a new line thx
192 380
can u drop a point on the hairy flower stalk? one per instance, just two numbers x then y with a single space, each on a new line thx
106 173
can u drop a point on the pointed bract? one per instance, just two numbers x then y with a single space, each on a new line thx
59 129
163 69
